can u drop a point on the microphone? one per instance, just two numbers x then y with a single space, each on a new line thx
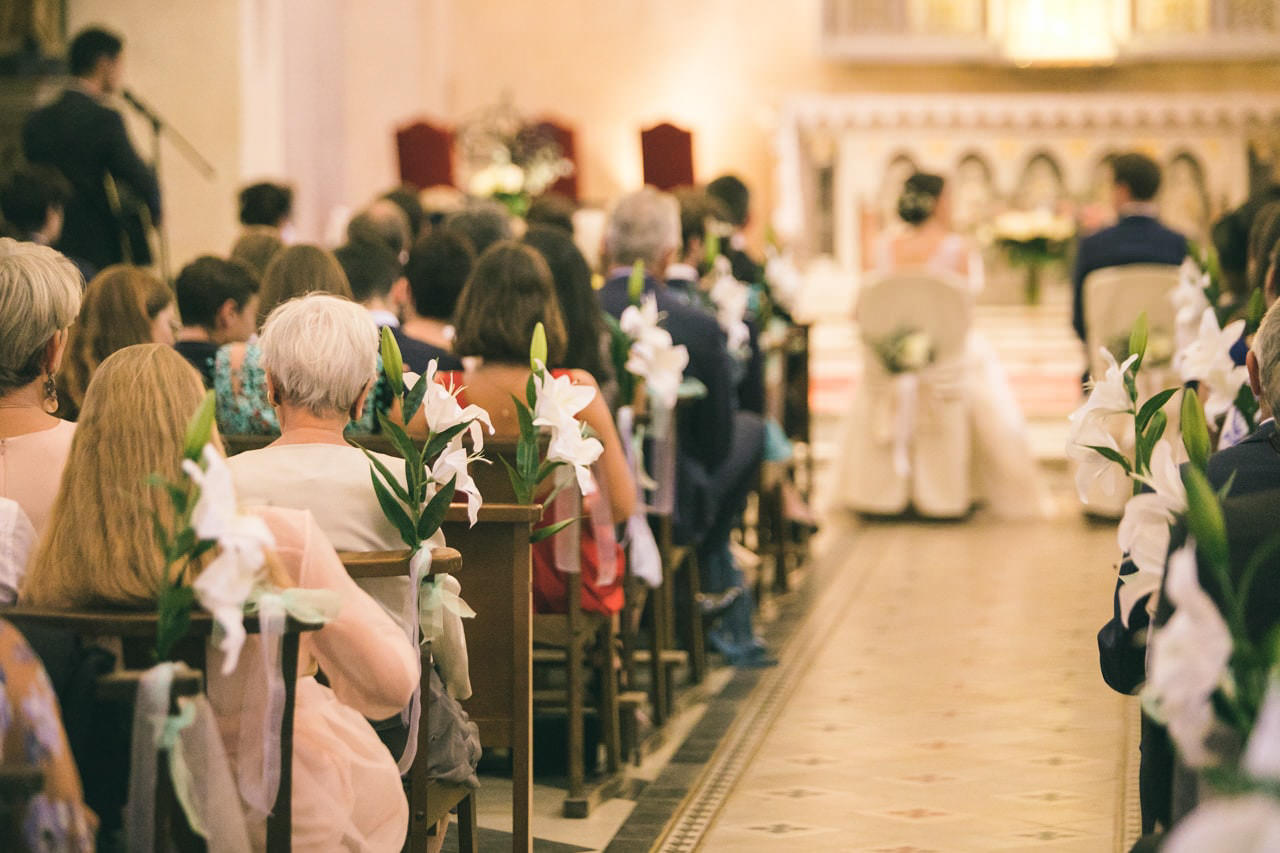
145 111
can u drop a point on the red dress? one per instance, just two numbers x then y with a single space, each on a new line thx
550 588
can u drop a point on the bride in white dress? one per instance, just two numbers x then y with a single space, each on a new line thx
1004 476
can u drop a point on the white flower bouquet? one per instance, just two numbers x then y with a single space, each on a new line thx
1031 239
509 159
907 350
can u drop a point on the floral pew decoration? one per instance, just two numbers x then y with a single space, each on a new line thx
1032 240
908 356
230 584
1213 685
1205 340
646 357
433 475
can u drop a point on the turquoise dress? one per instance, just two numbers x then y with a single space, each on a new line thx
246 411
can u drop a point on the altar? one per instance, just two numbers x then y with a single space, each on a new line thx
841 161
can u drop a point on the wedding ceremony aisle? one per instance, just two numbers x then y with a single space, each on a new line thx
943 696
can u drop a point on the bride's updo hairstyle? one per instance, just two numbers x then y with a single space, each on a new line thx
919 198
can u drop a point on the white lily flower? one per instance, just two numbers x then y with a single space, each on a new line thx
452 463
227 581
573 448
1262 753
441 409
1244 824
662 369
1106 397
731 298
1189 302
641 323
1207 360
1092 468
1144 529
1188 660
559 400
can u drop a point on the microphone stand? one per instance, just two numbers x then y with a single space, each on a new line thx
159 128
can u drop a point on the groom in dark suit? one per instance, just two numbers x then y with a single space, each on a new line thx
1137 238
86 141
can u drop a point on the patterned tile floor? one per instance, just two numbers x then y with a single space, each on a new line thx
954 705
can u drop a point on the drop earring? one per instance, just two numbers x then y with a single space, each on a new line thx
50 394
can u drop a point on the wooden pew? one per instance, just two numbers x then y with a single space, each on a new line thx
137 633
171 830
429 802
500 639
569 637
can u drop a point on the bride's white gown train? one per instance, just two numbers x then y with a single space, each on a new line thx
1004 474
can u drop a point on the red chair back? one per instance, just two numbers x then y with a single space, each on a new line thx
426 154
667 154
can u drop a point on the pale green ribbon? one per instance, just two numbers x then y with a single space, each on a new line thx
433 601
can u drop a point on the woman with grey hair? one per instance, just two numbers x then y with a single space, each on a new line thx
319 356
39 299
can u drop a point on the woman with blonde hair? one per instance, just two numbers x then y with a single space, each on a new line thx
102 552
238 378
39 298
123 305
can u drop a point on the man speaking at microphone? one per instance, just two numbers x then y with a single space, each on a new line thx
85 139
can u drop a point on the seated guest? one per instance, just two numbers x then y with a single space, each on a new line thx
438 202
720 448
733 204
1263 236
438 268
346 788
482 221
384 224
256 248
218 303
1230 236
32 202
238 378
31 733
123 305
1137 238
586 338
405 197
553 210
378 283
39 299
266 204
508 294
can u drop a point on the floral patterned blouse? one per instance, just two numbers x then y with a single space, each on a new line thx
31 733
242 406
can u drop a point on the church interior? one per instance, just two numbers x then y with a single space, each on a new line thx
848 425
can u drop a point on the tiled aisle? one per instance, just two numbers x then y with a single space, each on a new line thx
954 704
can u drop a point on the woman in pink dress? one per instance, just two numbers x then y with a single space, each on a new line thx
101 552
39 299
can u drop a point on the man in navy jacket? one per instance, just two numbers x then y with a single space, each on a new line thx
1137 238
85 140
720 447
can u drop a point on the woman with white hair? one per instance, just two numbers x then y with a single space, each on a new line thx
319 357
39 299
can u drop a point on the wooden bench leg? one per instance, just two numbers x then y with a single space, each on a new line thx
607 700
659 681
695 638
575 805
468 837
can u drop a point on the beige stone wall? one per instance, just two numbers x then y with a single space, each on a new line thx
719 67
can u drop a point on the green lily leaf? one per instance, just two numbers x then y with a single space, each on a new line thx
538 347
387 476
199 428
440 441
395 513
1155 404
635 284
413 400
1204 517
433 514
550 530
524 495
1155 430
174 616
404 445
392 363
1114 456
1256 308
1138 340
712 242
1195 432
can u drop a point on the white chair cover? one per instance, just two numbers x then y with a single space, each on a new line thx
1113 299
908 438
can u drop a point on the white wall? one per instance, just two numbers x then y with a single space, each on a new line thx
182 56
